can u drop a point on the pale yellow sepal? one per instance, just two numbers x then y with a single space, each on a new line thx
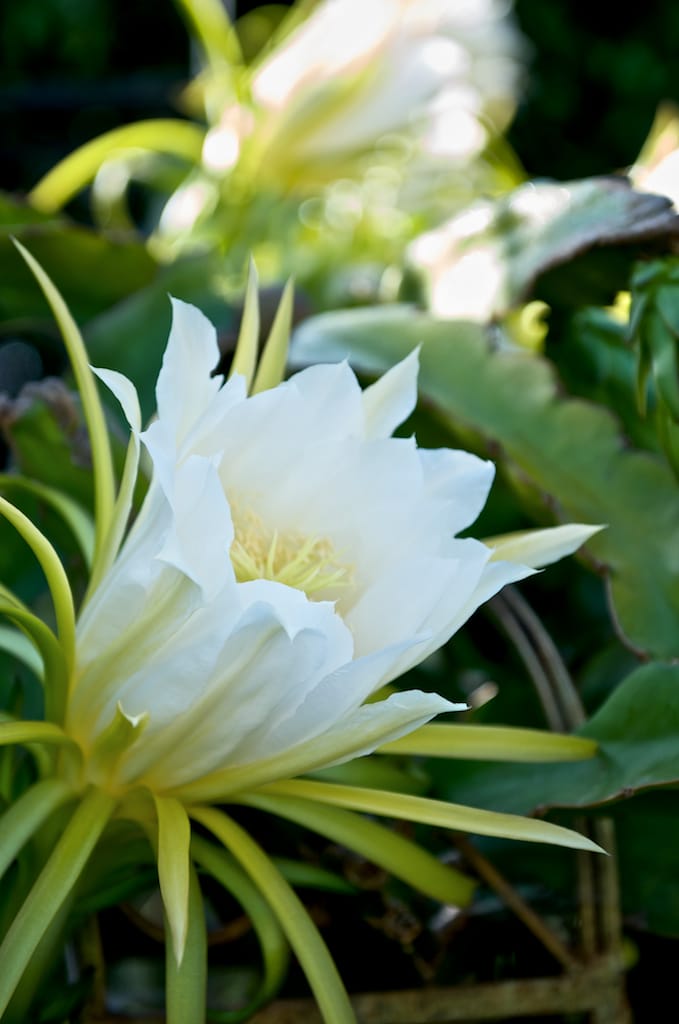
174 868
433 812
119 735
538 548
491 743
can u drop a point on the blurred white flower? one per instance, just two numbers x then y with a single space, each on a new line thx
353 75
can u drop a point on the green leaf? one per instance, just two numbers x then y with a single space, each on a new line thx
636 730
571 450
430 812
525 234
52 888
398 855
92 269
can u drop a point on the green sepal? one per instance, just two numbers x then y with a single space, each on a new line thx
75 517
398 855
25 816
491 743
271 366
301 932
51 889
174 839
274 948
55 575
247 346
186 976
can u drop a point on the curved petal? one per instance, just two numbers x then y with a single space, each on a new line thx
391 399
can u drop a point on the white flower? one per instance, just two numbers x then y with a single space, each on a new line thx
354 72
290 558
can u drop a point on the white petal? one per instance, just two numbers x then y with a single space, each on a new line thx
126 393
537 548
459 479
392 398
185 387
202 532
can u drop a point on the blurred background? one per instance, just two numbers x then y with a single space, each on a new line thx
71 69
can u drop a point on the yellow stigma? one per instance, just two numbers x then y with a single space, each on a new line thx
286 556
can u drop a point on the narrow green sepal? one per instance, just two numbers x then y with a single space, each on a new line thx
56 577
116 738
491 743
247 346
51 889
102 460
402 858
432 812
174 839
271 366
302 933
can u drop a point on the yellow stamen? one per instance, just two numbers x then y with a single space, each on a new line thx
306 563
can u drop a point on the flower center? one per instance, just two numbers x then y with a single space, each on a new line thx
286 556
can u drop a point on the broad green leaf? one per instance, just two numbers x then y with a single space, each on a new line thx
570 450
93 270
430 812
518 238
636 730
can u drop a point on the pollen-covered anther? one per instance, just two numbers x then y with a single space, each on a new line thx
285 556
